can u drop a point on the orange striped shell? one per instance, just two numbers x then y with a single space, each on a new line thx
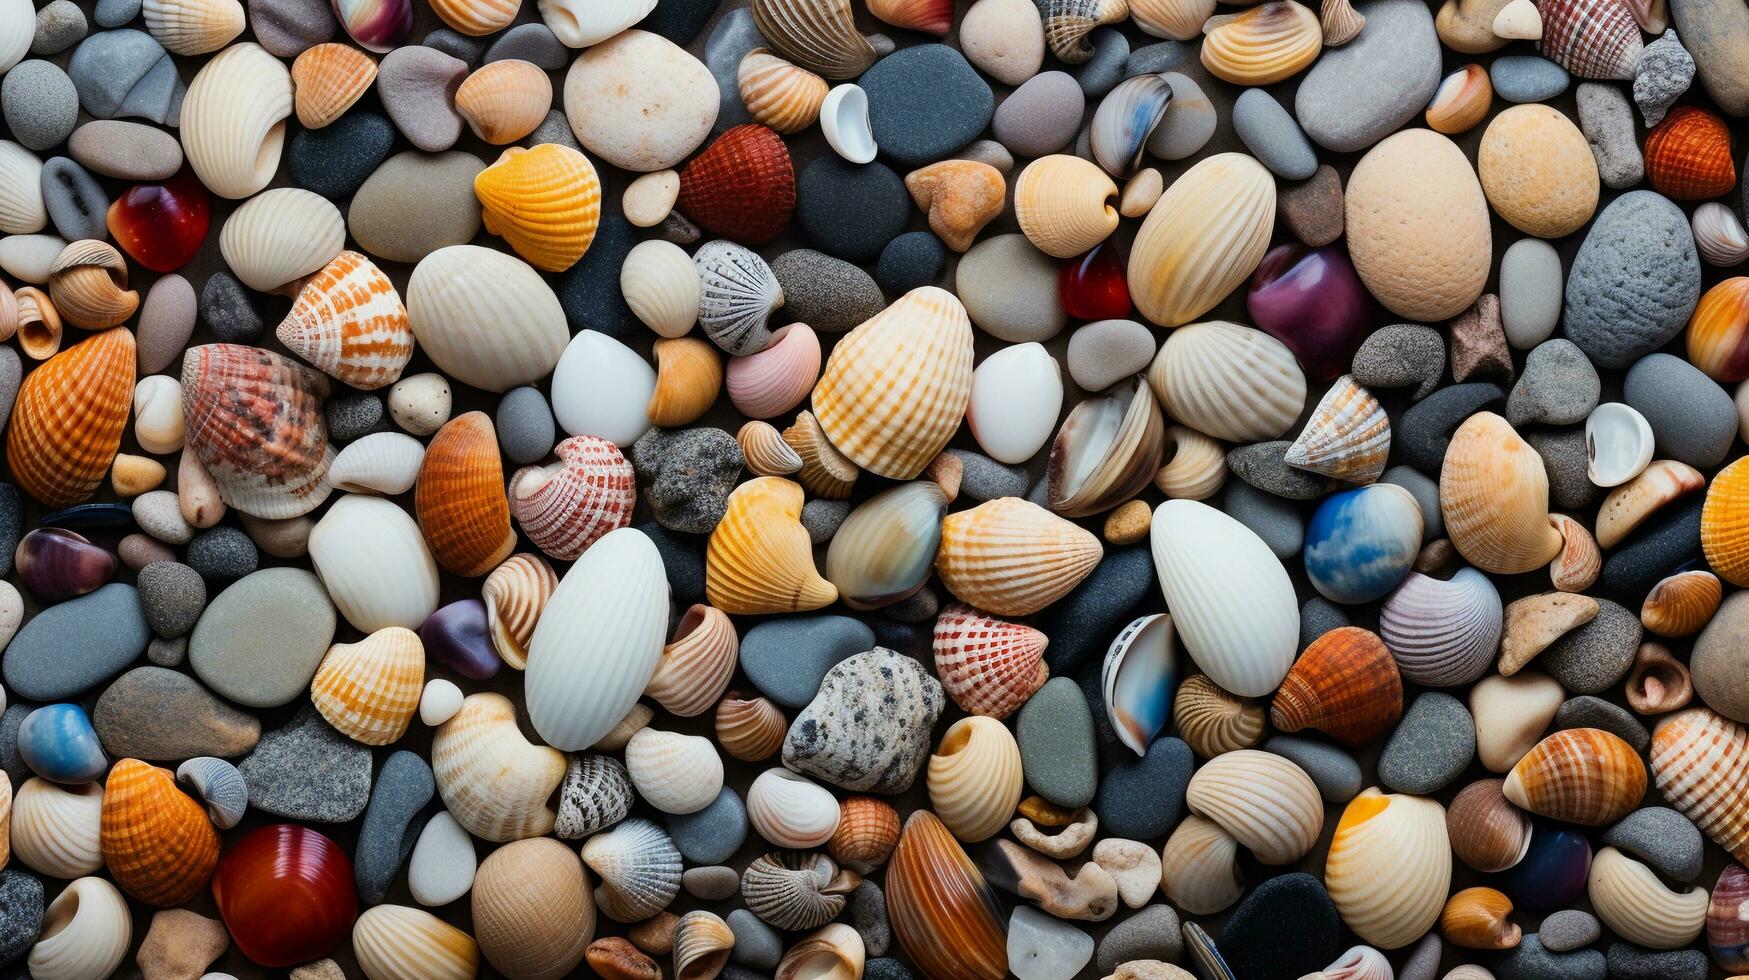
543 200
1718 332
943 912
477 17
1345 685
255 419
1700 763
1724 523
989 666
1579 775
369 690
68 419
459 497
742 186
327 79
1688 155
867 832
157 841
349 322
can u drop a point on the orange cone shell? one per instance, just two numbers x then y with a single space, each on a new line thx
1688 155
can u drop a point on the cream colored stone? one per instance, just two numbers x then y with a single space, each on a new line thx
1417 226
1511 714
650 199
639 101
1140 193
1538 172
1004 38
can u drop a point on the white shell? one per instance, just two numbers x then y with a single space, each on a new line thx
17 27
21 186
672 772
443 864
439 701
790 810
1443 632
1389 867
1618 444
279 235
1016 395
233 120
580 23
85 933
1637 906
737 292
660 284
1231 600
1719 235
1360 963
158 422
1228 381
598 641
374 563
639 867
382 462
55 829
1266 802
602 388
485 317
844 120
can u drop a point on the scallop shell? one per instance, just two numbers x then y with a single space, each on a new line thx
1065 205
688 377
742 186
1345 685
233 120
775 380
1724 521
374 564
818 35
1126 117
737 294
503 101
1579 775
974 778
1136 681
1228 381
1264 801
1262 45
1389 867
485 318
328 79
56 830
21 198
825 471
1461 101
544 201
660 286
1202 239
193 27
882 553
790 811
532 912
492 780
795 890
85 933
1199 867
759 559
459 497
158 844
1068 23
1443 632
1629 505
989 666
1487 832
565 507
1719 235
1638 907
835 952
1179 20
1700 763
1012 557
255 420
1681 604
867 832
396 942
639 868
88 285
1348 436
1106 452
370 690
674 773
579 24
1214 722
1340 22
1494 496
348 322
39 325
1591 38
1718 332
696 666
69 416
219 785
945 916
845 124
702 941
750 729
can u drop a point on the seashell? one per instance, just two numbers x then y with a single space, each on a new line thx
975 778
1262 45
1199 867
765 451
775 380
255 420
21 200
514 595
742 186
989 666
69 416
688 377
1442 632
348 322
1591 38
579 25
1136 681
1106 452
158 844
369 690
1012 557
1718 332
1348 436
1231 382
286 894
492 780
219 785
1494 497
1579 563
1476 918
544 201
1635 905
1361 543
1195 465
1065 205
85 933
835 952
844 122
1179 20
280 235
1700 763
459 497
1618 444
505 100
532 912
485 318
639 868
1580 775
88 284
867 832
702 942
57 830
1345 685
696 666
377 25
929 16
660 285
193 27
1126 117
1389 867
1212 721
818 35
1688 155
396 942
374 564
1358 963
1627 506
791 811
943 912
1264 801
759 559
1682 604
1017 393
1203 238
1719 235
233 120
1658 682
882 553
1232 602
825 471
737 294
56 564
1727 931
750 729
382 462
596 794
674 773
565 507
1461 101
598 641
1340 22
1487 832
1723 534
1068 23
327 79
797 890
39 324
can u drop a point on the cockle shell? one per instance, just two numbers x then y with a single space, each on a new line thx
369 690
1068 22
398 942
1724 522
697 664
532 912
790 810
565 507
219 785
835 952
929 16
750 729
545 201
56 830
1262 45
492 780
688 376
942 911
702 941
1580 775
1199 867
1106 452
1229 381
1345 685
1264 801
328 79
1348 436
374 563
1389 867
975 778
1494 496
639 868
660 285
1487 832
1681 604
485 318
797 890
819 35
867 832
1179 20
1012 557
1203 237
882 552
1631 900
505 100
1700 763
1126 117
672 772
85 933
88 285
1065 205
775 380
1727 931
765 451
348 322
1591 38
579 24
737 293
158 844
825 471
596 794
69 416
280 235
1443 632
21 199
255 420
1718 332
233 120
742 186
759 559
1688 154
459 497
989 666
1213 722
1461 101
1136 681
514 595
1719 235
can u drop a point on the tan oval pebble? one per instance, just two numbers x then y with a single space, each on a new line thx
1140 193
139 550
125 150
1511 714
415 204
639 101
1538 171
197 493
1004 38
166 320
1129 523
288 538
132 475
650 199
1417 226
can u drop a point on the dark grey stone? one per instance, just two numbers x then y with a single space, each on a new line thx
1432 745
1421 434
172 595
533 43
711 835
69 648
851 210
916 258
1057 752
229 311
21 913
352 417
1595 656
337 159
1586 711
828 294
925 102
787 657
1663 838
1332 769
524 421
391 823
1082 623
687 475
223 553
589 291
76 203
1264 466
1142 799
1693 418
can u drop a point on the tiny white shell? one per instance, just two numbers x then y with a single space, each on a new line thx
844 120
439 701
382 462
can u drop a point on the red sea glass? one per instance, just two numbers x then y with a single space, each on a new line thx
161 226
1092 286
1311 300
286 895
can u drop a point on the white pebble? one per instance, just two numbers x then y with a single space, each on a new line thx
158 421
443 863
420 404
440 702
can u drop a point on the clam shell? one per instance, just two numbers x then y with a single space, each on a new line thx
750 729
1348 436
945 916
255 420
579 24
1681 604
21 198
397 942
374 563
1345 685
775 380
348 322
989 666
765 451
1265 802
1658 682
797 890
514 595
1580 775
639 868
1638 907
759 559
660 285
882 552
1727 931
1012 557
88 285
1389 867
1196 465
1442 632
819 35
1106 452
1461 101
1213 722
1494 497
1065 205
697 664
280 235
867 832
1700 763
1203 237
1199 867
545 201
369 690
791 811
1591 38
1228 381
1487 832
1068 22
702 941
219 785
598 641
1719 235
233 120
974 778
158 844
1724 522
567 506
386 463
503 101
1262 45
69 416
1179 20
672 772
57 830
778 94
1126 117
737 294
85 933
688 377
1618 444
532 912
742 186
1718 332
1136 681
835 952
825 471
485 318
327 80
492 780
459 497
844 122
1339 22
1627 506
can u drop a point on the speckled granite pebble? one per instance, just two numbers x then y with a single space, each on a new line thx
869 727
1401 355
308 771
826 293
40 104
1430 747
1559 387
1568 929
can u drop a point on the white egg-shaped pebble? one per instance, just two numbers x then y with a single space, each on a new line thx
1016 395
440 701
602 388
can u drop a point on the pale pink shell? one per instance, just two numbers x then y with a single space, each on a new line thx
563 507
775 380
989 666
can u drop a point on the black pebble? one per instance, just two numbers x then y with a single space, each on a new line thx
1142 799
455 45
1422 433
1632 963
222 554
1284 930
679 20
1657 548
925 103
229 311
848 210
335 161
589 291
11 525
1083 622
682 557
914 259
533 43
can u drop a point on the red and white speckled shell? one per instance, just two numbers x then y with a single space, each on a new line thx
989 666
565 506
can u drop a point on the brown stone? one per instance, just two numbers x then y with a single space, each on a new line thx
1534 622
1478 343
319 970
1129 524
180 945
960 197
1312 208
655 935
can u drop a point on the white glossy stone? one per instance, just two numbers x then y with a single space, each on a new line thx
443 863
1041 947
602 388
440 702
1016 395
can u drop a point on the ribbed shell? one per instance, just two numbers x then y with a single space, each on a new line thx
1631 900
255 420
1068 22
596 794
1065 205
581 23
1487 832
825 471
1700 763
1126 117
989 666
790 810
397 942
477 17
1213 722
1579 775
639 868
1719 235
1389 867
492 780
1228 381
975 778
750 729
158 844
1340 22
370 690
868 830
88 285
1012 557
85 933
1345 684
1718 333
1681 604
942 911
1348 436
1688 155
688 376
21 200
233 120
737 293
776 379
1494 496
280 235
794 890
503 101
69 416
1180 20
328 78
1096 465
660 286
459 497
1625 507
56 830
672 772
348 321
219 785
193 27
544 201
696 666
1591 38
514 595
1263 45
702 941
742 186
777 93
485 318
759 559
819 35
374 563
567 506
532 912
1199 867
1264 801
1724 521
1202 238
1443 632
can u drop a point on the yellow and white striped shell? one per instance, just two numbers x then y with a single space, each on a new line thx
398 942
759 558
1389 867
1263 45
1012 557
974 778
233 120
1264 801
1202 238
492 779
370 690
544 201
1228 381
21 191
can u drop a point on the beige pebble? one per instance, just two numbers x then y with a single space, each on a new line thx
1063 842
132 475
1129 523
1417 226
139 550
198 493
1150 970
420 404
1538 171
319 970
639 101
1511 714
1134 865
158 423
289 538
650 199
180 944
655 935
1140 193
1004 38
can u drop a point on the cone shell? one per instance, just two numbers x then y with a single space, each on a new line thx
688 377
929 16
1591 38
1487 832
660 285
88 284
1065 205
1443 632
975 778
1199 867
233 120
825 471
1461 101
775 380
1700 763
702 941
896 387
1345 685
86 931
1580 775
759 559
370 690
750 729
396 942
1212 721
545 201
255 420
1106 452
1631 900
790 810
737 293
1718 332
1263 45
348 322
459 497
505 100
1682 604
867 832
485 318
1264 801
1494 495
1012 557
280 235
742 186
193 27
1204 236
943 912
1179 20
328 79
1688 154
492 780
989 666
1389 867
69 416
1068 22
532 912
1229 381
778 94
639 868
1348 436
696 666
158 844
795 890
819 35
57 830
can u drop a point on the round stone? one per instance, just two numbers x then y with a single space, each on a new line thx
229 311
525 425
461 47
74 200
40 103
71 647
1151 934
223 553
1568 929
1275 520
1009 288
1041 116
1358 93
1586 711
415 204
925 102
916 258
1431 746
1105 352
828 294
173 596
337 159
126 73
533 43
1417 226
1527 78
787 657
757 945
1530 292
165 715
1099 74
350 417
711 835
1595 656
1333 771
261 640
1142 799
1005 39
417 85
1538 172
851 210
1190 117
1718 662
1634 282
589 291
287 27
60 24
640 102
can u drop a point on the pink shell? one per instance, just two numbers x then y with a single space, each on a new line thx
775 380
989 666
565 506
1591 38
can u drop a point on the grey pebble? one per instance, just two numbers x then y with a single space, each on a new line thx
868 914
1563 453
827 293
1530 292
1559 387
1399 356
822 517
1586 711
40 103
308 771
1694 420
21 913
1634 282
1274 519
925 102
1105 352
1057 751
1150 934
417 85
1606 117
982 478
173 596
555 128
757 945
916 258
1632 963
1041 116
1661 837
990 152
533 43
136 551
918 607
167 652
1423 960
730 40
687 475
1332 769
1264 466
115 13
229 311
711 835
167 318
1664 72
1422 433
457 45
1142 799
886 968
69 648
10 761
262 638
712 883
1425 490
1009 288
1527 78
525 425
682 558
223 553
126 73
1190 118
1430 747
1101 73
1358 93
60 24
351 417
1568 929
287 27
1595 656
391 823
77 205
11 525
11 375
1318 616
1151 59
867 730
163 714
1530 961
1272 136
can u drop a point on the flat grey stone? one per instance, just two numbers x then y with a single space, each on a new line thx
533 43
1527 78
287 27
1530 961
1100 74
1264 466
711 835
1559 387
982 478
1105 352
1190 118
730 40
1272 136
1318 616
70 648
308 771
126 73
1627 962
1595 656
1568 929
165 715
127 150
1274 519
1041 116
60 24
1530 291
712 883
827 293
787 657
1694 420
1563 453
1401 355
1150 934
1009 288
1332 769
757 945
1431 746
417 85
1663 838
21 913
261 639
1057 751
1586 711
76 203
391 823
1357 94
1425 490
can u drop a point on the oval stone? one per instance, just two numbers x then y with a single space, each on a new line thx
415 204
1634 281
1418 226
75 646
1538 171
1375 83
260 641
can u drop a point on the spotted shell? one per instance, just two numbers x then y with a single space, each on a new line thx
545 201
1012 557
370 690
1204 236
564 507
255 420
989 666
459 497
1262 45
348 322
158 844
69 417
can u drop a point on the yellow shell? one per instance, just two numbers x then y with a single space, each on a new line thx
1389 867
545 201
1494 495
492 780
688 377
397 942
505 100
1203 237
1065 205
778 94
975 779
369 690
1264 801
1180 20
759 559
1638 907
1263 45
327 80
1012 557
1724 523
